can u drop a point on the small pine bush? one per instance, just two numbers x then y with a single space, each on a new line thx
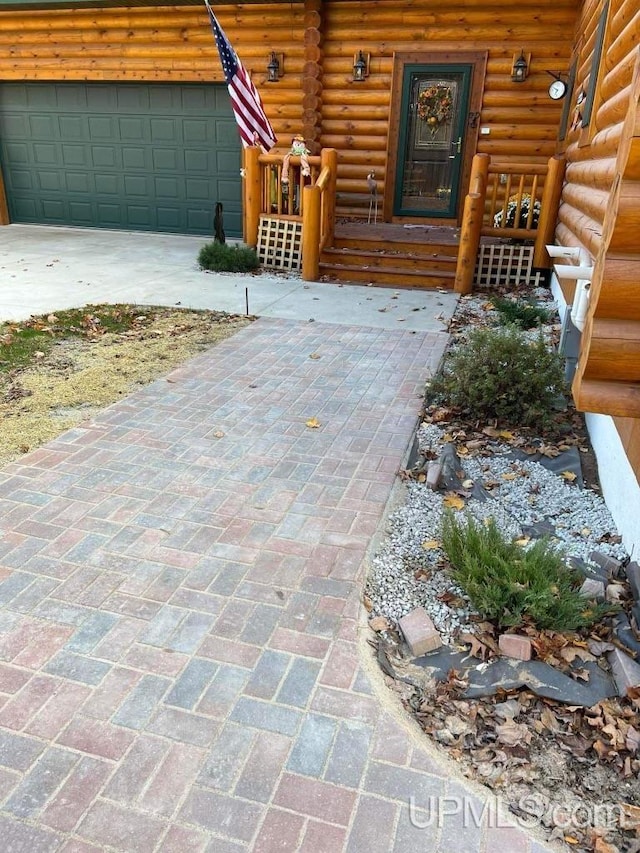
500 374
525 315
509 584
222 257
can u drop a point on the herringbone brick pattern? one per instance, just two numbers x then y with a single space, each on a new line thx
180 586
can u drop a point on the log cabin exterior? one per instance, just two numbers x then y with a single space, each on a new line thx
115 114
599 216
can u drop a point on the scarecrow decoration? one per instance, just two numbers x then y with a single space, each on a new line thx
298 149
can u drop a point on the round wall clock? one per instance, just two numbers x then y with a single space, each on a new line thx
557 90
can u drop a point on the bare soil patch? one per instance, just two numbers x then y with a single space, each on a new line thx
66 383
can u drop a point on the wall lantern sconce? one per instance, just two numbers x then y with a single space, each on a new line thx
520 67
361 66
275 67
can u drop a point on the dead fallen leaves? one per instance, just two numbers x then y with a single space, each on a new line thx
453 501
379 623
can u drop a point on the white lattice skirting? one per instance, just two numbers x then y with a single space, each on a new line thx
280 243
506 264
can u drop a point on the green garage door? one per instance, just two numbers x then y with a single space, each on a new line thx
143 157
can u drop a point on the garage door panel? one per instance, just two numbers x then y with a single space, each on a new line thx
165 98
72 127
227 191
109 215
102 127
165 158
103 155
68 96
78 182
109 184
132 128
15 95
42 127
202 220
26 210
37 98
54 209
137 185
16 153
226 163
198 189
45 154
101 99
12 125
139 216
168 218
135 156
132 98
197 161
194 130
74 155
163 129
49 181
226 133
196 99
82 212
21 179
166 187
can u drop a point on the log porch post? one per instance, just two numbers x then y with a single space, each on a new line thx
252 187
472 224
329 158
311 233
549 211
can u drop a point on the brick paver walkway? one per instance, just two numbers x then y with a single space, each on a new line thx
180 593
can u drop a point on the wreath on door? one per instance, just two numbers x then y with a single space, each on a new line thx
435 106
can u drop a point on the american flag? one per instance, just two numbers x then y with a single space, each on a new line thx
251 119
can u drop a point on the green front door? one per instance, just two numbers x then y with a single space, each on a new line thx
135 156
433 119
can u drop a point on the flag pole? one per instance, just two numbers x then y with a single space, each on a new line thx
253 125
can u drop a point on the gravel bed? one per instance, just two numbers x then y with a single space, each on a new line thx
409 571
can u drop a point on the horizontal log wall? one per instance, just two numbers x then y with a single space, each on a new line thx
600 212
522 119
591 153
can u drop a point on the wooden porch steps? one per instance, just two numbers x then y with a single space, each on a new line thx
391 269
392 255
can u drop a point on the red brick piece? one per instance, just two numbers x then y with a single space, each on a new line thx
420 632
434 472
515 646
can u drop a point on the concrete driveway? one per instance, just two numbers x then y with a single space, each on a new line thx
48 268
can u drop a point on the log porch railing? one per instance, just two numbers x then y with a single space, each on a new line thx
311 200
504 200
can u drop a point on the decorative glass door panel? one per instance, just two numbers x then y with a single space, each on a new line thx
431 139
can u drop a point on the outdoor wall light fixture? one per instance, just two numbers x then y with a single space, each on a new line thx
361 66
520 67
275 67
